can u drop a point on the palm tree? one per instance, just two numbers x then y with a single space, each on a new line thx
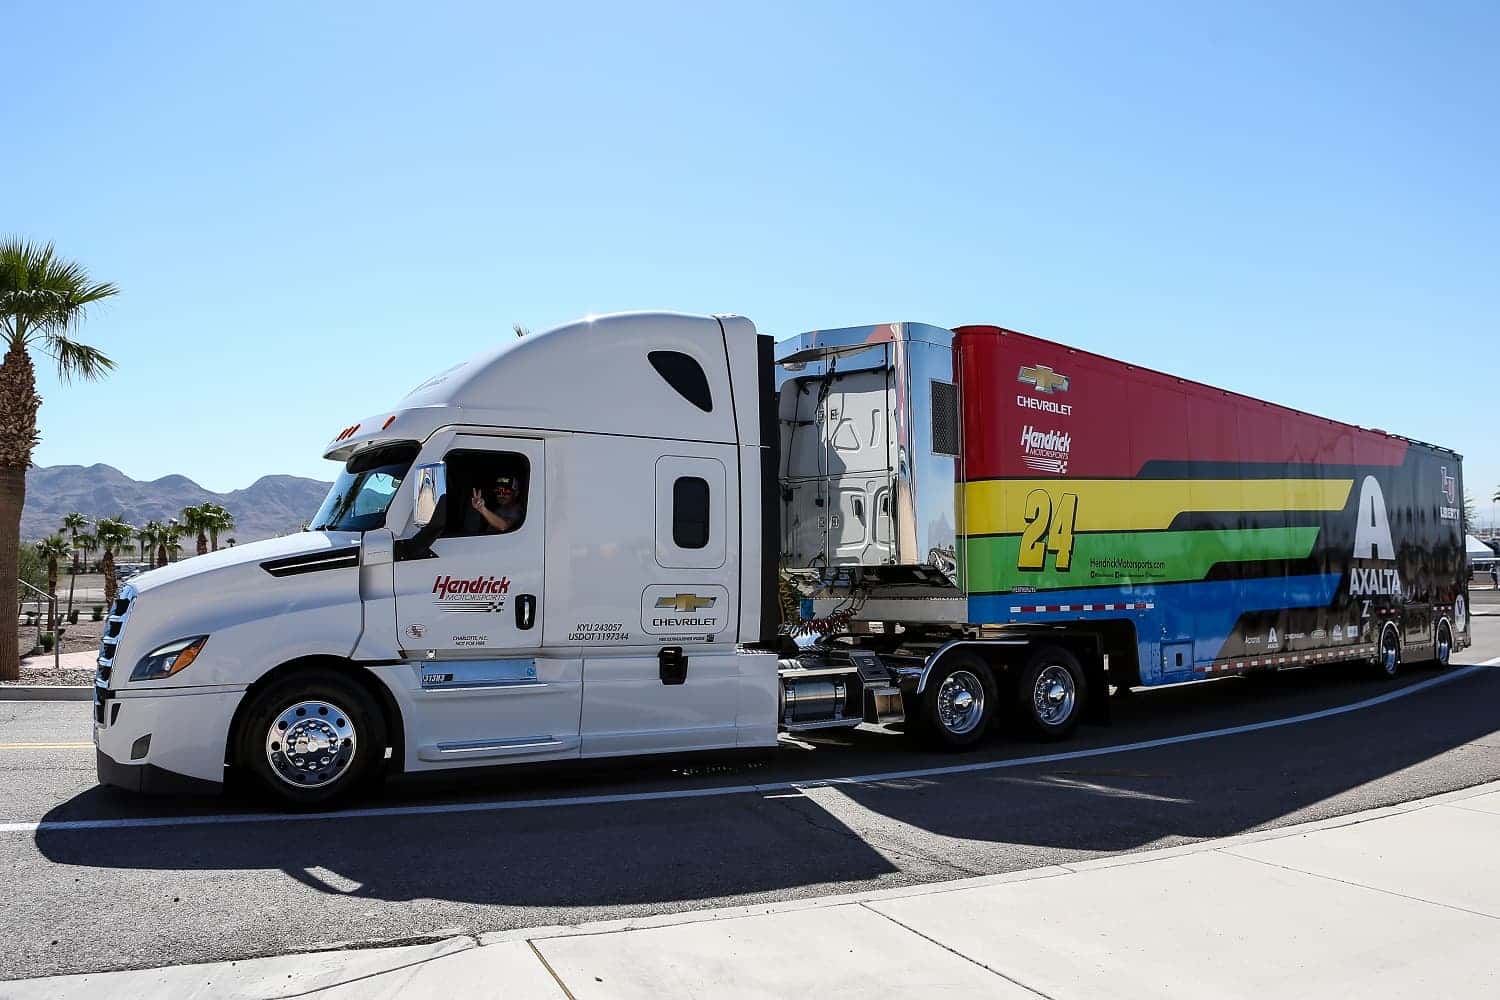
197 519
52 549
43 300
113 532
74 523
220 520
230 543
168 540
150 535
89 544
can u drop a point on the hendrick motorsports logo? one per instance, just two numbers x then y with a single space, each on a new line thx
1045 451
685 602
482 594
1043 378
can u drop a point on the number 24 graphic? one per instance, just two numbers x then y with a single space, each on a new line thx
1049 528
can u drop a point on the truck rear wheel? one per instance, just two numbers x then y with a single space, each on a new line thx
311 738
959 702
1050 693
1442 649
1388 655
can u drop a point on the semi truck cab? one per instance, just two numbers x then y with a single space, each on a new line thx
617 613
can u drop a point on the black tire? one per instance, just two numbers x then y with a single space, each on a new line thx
948 717
1388 653
350 710
1442 645
1051 691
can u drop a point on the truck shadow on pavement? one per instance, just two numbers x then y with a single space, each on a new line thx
664 851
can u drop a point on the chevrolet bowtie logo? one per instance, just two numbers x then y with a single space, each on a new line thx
685 602
1044 378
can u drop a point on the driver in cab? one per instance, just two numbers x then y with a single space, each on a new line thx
497 513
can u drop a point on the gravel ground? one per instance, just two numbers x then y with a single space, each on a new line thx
76 638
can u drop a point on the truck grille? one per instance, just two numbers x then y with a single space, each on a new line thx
114 627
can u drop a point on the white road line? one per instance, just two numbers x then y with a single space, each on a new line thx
218 819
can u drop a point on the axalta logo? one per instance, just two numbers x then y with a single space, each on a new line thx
1372 542
447 586
1374 582
1044 379
1046 451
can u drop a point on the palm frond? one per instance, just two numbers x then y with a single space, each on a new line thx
77 360
45 297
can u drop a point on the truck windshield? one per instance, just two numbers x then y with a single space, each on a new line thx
363 491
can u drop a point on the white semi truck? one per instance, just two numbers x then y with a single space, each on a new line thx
574 547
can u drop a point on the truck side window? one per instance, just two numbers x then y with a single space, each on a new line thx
690 512
683 373
500 479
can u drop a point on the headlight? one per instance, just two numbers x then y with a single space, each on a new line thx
168 659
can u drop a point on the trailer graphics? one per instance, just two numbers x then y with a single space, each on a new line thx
1231 525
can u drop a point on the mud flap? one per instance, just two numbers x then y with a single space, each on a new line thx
1094 672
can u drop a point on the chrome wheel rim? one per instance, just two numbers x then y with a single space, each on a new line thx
311 744
960 702
1390 653
1054 695
1444 644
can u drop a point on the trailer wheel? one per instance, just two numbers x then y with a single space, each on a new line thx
959 702
1388 657
311 738
1442 650
1050 693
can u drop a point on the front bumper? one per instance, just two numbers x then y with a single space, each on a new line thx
171 741
150 779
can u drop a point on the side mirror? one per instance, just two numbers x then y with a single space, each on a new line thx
432 487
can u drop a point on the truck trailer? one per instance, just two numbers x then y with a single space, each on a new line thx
653 533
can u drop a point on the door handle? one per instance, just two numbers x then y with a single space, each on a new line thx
673 665
525 611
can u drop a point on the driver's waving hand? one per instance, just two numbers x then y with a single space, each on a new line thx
498 514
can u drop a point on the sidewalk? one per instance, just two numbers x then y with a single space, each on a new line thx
69 678
1395 902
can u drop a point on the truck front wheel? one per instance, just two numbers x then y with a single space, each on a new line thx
311 737
1050 693
958 702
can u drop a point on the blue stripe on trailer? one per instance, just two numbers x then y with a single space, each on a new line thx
1204 612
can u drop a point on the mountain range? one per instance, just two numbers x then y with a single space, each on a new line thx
272 505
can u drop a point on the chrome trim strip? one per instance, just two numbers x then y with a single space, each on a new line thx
496 746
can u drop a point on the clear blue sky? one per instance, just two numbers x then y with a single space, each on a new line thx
309 207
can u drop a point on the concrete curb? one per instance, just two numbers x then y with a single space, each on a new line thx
46 692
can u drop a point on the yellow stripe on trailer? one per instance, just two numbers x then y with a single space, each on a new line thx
998 506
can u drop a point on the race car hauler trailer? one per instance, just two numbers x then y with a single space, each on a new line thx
577 546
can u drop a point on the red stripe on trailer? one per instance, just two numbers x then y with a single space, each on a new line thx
1019 609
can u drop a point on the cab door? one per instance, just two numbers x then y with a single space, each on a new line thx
682 692
469 623
478 593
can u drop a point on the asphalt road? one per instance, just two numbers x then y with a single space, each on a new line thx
476 854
